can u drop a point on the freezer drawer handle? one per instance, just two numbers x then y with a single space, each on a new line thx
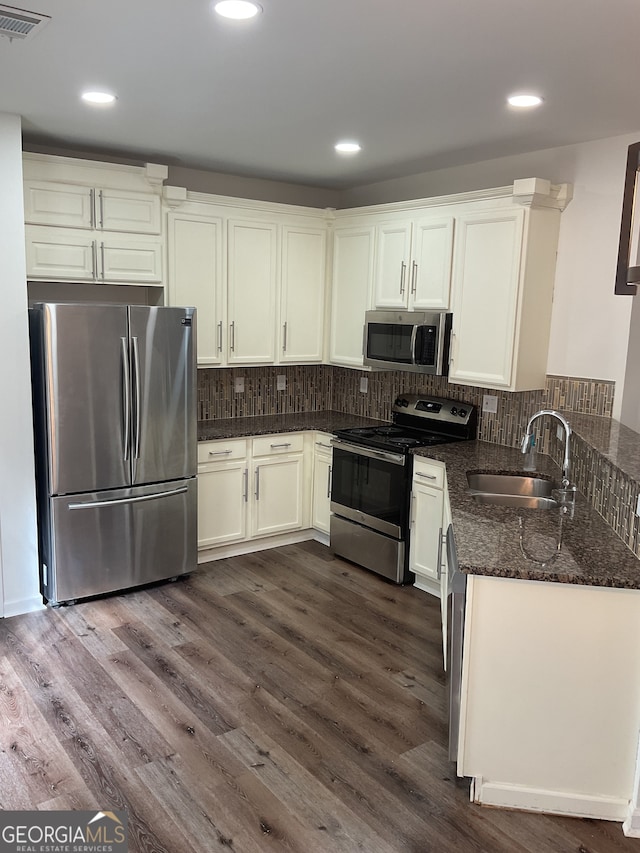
142 498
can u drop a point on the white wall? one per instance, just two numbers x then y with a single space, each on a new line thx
18 545
590 326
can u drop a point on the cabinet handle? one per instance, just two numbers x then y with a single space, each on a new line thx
102 258
329 474
412 514
426 476
284 444
101 198
284 337
403 269
257 492
245 493
320 444
414 276
220 336
94 259
92 208
232 330
219 452
439 568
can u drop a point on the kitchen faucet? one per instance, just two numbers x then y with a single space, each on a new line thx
528 439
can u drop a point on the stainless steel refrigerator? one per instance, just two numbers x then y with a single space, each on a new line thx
114 390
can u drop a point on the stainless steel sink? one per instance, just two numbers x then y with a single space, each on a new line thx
514 490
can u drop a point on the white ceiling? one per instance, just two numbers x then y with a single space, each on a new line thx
421 83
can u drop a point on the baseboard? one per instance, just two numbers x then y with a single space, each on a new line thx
631 826
427 585
25 605
322 537
250 546
551 802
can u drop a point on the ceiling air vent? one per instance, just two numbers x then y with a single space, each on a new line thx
19 23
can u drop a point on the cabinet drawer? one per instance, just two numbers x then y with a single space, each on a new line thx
269 445
428 472
322 442
221 451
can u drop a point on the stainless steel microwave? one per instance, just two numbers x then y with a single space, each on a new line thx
408 340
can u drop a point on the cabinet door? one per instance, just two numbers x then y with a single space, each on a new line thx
277 495
302 299
393 242
65 205
252 271
431 259
444 577
128 212
222 503
321 491
135 261
194 253
351 294
426 530
485 297
60 253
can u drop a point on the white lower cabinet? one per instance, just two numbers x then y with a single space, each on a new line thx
427 502
322 468
251 488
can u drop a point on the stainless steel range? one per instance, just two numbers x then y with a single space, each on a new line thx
371 480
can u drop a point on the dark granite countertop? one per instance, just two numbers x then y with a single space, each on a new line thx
326 421
488 537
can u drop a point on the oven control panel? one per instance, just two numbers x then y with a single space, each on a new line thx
435 408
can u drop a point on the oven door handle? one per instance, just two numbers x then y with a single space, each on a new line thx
359 450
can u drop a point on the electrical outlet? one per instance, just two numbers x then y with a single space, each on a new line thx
238 385
364 384
281 382
489 403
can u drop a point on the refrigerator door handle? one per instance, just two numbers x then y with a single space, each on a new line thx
116 501
126 398
137 392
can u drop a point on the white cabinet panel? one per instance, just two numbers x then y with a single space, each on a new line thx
353 250
195 256
222 503
49 203
122 259
413 264
426 530
75 206
278 500
485 297
252 288
59 253
302 294
322 469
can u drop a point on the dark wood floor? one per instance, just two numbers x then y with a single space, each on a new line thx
282 701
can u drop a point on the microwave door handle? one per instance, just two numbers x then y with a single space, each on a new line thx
440 351
414 335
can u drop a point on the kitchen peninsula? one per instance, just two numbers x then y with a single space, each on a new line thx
550 705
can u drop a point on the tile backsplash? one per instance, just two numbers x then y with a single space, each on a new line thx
317 387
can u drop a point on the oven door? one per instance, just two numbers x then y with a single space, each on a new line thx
370 487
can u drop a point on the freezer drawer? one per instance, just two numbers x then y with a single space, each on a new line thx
105 541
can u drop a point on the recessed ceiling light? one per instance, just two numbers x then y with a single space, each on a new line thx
238 10
524 100
98 98
348 147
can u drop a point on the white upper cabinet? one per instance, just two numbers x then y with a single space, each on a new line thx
252 289
72 206
302 294
353 253
90 221
413 263
504 267
195 254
